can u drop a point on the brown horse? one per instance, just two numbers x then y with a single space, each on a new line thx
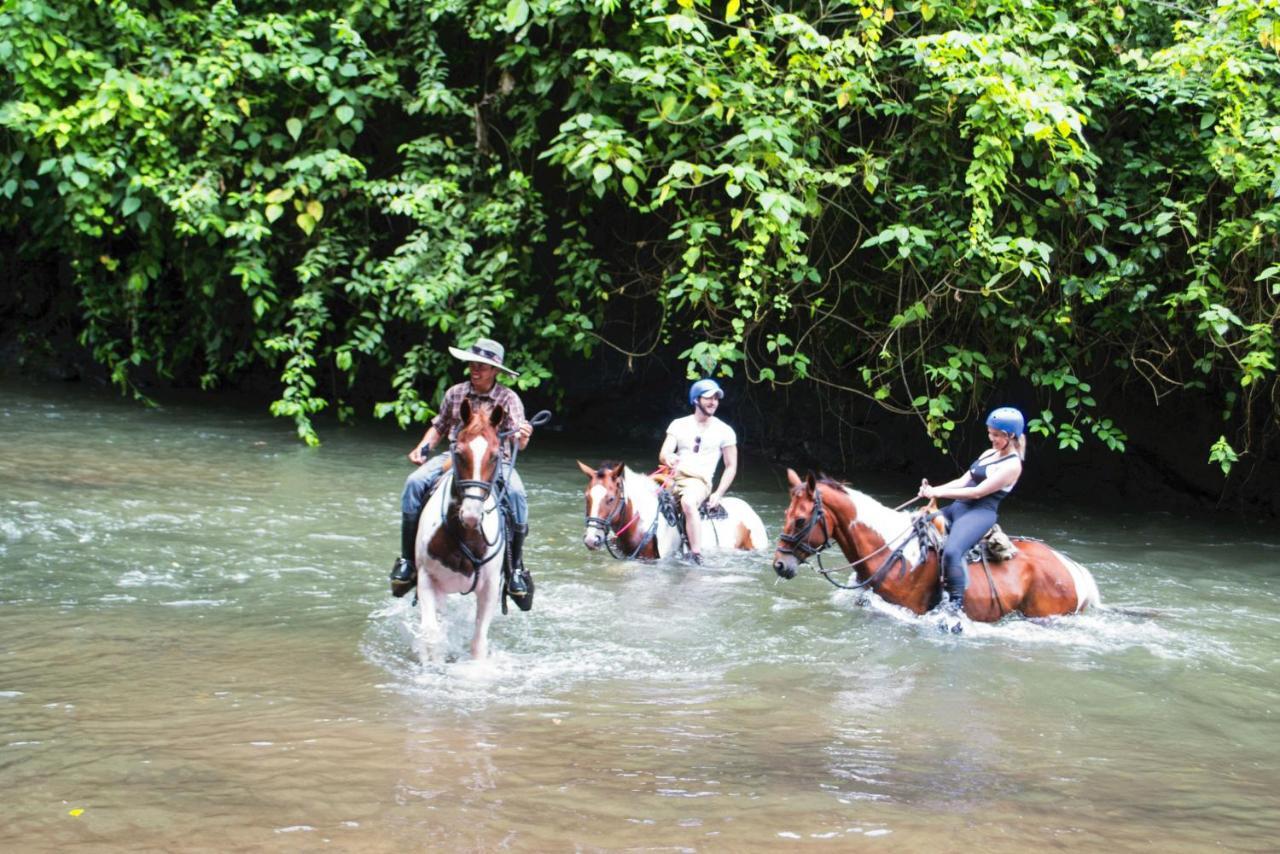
461 538
891 552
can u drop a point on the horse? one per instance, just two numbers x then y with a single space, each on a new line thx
892 552
625 503
461 539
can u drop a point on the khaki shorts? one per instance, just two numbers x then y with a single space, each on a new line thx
693 487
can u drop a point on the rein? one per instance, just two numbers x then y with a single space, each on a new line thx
605 525
798 544
897 558
450 522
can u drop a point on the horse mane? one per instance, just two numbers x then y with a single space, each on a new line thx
890 524
821 478
642 491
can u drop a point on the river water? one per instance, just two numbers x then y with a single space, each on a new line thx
198 653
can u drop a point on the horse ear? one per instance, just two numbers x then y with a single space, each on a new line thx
810 482
495 417
620 470
586 469
464 412
792 477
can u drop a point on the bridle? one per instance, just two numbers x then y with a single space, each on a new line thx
798 545
605 525
483 490
465 489
478 490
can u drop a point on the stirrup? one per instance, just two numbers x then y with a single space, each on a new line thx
404 577
519 587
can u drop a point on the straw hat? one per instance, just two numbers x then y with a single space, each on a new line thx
486 351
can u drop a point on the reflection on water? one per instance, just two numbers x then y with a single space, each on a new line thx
197 651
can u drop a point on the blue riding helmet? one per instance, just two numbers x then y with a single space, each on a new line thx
1007 419
703 387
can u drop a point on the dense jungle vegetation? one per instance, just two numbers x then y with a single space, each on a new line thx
915 202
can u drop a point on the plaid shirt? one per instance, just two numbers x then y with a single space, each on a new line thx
448 421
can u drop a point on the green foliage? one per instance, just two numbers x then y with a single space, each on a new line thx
925 205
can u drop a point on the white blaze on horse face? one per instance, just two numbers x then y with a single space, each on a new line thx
472 509
598 492
479 445
597 495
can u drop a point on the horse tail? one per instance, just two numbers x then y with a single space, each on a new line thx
754 524
1087 594
743 516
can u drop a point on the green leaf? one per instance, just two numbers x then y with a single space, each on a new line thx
130 204
345 113
517 14
294 127
307 223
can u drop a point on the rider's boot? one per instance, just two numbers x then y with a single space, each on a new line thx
404 575
519 581
952 607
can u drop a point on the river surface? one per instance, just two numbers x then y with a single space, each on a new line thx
198 653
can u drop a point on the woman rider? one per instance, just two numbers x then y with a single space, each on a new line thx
977 494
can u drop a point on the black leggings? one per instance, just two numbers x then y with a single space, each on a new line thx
969 521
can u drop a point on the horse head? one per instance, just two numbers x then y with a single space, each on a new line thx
476 453
805 530
605 500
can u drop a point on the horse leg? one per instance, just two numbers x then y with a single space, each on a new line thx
430 603
487 596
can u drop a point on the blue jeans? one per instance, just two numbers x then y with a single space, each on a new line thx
418 486
969 522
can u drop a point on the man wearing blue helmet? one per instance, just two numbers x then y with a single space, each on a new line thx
693 449
978 493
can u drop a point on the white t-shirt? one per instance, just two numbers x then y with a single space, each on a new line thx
699 446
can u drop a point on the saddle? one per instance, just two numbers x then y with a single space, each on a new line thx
707 513
994 547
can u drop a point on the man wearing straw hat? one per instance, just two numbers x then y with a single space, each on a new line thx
482 389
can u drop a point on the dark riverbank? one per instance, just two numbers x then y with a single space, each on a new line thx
1164 466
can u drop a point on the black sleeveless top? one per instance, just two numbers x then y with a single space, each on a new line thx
978 473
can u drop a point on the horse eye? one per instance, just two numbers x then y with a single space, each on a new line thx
800 521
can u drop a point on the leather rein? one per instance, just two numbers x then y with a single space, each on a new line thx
479 490
798 545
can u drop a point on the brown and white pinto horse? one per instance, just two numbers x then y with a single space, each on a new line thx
461 538
884 548
625 502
